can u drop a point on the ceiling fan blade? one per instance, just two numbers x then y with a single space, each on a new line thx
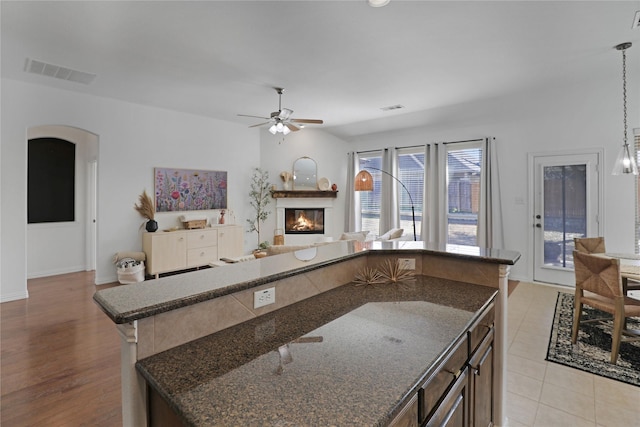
310 121
255 117
259 124
292 127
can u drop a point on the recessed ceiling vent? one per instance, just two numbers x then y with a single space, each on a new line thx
392 107
58 72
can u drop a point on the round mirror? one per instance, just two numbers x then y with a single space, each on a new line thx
305 174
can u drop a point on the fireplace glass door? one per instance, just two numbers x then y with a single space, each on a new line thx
304 221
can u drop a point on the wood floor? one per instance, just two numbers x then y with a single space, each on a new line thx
60 357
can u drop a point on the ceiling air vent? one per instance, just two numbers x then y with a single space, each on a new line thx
58 72
392 107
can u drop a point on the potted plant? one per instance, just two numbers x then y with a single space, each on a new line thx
259 199
147 210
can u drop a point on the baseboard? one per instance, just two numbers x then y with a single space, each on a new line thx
14 296
55 272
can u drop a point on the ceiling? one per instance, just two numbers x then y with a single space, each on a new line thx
341 61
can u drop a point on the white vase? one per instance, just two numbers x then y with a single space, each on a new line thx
286 185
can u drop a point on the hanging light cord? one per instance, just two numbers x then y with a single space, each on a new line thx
624 93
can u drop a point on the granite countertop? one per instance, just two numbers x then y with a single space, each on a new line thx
127 303
349 356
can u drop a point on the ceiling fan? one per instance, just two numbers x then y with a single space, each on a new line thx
281 120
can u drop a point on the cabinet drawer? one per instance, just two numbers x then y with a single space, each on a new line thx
481 328
439 382
202 239
201 256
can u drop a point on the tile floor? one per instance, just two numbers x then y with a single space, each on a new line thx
545 394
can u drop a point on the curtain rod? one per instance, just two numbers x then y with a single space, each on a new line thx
468 140
421 145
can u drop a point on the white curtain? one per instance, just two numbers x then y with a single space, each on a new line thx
490 228
389 205
353 220
434 218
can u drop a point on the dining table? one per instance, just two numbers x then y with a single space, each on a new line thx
629 270
629 267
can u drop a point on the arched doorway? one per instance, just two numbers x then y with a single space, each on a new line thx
65 247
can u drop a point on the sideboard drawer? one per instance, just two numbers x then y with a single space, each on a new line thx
202 239
201 256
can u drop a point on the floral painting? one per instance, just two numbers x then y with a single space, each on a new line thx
190 190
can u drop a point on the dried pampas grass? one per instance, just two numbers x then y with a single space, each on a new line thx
146 209
392 272
368 276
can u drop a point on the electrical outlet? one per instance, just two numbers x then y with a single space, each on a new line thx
264 297
407 263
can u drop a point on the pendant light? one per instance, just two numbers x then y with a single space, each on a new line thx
625 162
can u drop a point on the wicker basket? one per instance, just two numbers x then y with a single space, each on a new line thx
198 223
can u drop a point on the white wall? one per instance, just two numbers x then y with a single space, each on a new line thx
583 114
330 154
133 139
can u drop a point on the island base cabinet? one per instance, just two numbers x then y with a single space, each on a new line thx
460 392
432 393
159 413
481 383
453 409
408 417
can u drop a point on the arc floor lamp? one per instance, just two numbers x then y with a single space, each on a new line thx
364 182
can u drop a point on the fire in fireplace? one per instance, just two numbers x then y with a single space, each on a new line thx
304 221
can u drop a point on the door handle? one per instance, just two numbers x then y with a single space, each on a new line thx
538 225
538 217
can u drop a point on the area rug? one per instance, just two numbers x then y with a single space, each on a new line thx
592 352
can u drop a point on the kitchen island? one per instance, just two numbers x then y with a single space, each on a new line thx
360 352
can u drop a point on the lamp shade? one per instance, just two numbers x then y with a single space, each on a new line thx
363 181
625 163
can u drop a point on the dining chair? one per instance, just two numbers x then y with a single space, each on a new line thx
589 245
595 245
599 285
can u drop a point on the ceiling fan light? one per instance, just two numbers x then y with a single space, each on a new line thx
286 130
279 126
378 3
273 129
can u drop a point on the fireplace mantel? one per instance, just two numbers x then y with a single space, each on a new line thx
289 194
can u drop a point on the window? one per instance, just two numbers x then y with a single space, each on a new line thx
51 180
456 209
411 174
464 167
370 200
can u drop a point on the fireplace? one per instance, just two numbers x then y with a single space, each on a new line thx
309 205
304 221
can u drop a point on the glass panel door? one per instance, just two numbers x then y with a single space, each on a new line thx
565 210
566 206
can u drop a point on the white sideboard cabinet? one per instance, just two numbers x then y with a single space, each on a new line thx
178 250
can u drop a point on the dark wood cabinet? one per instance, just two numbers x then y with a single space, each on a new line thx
460 390
408 417
481 374
481 370
453 410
